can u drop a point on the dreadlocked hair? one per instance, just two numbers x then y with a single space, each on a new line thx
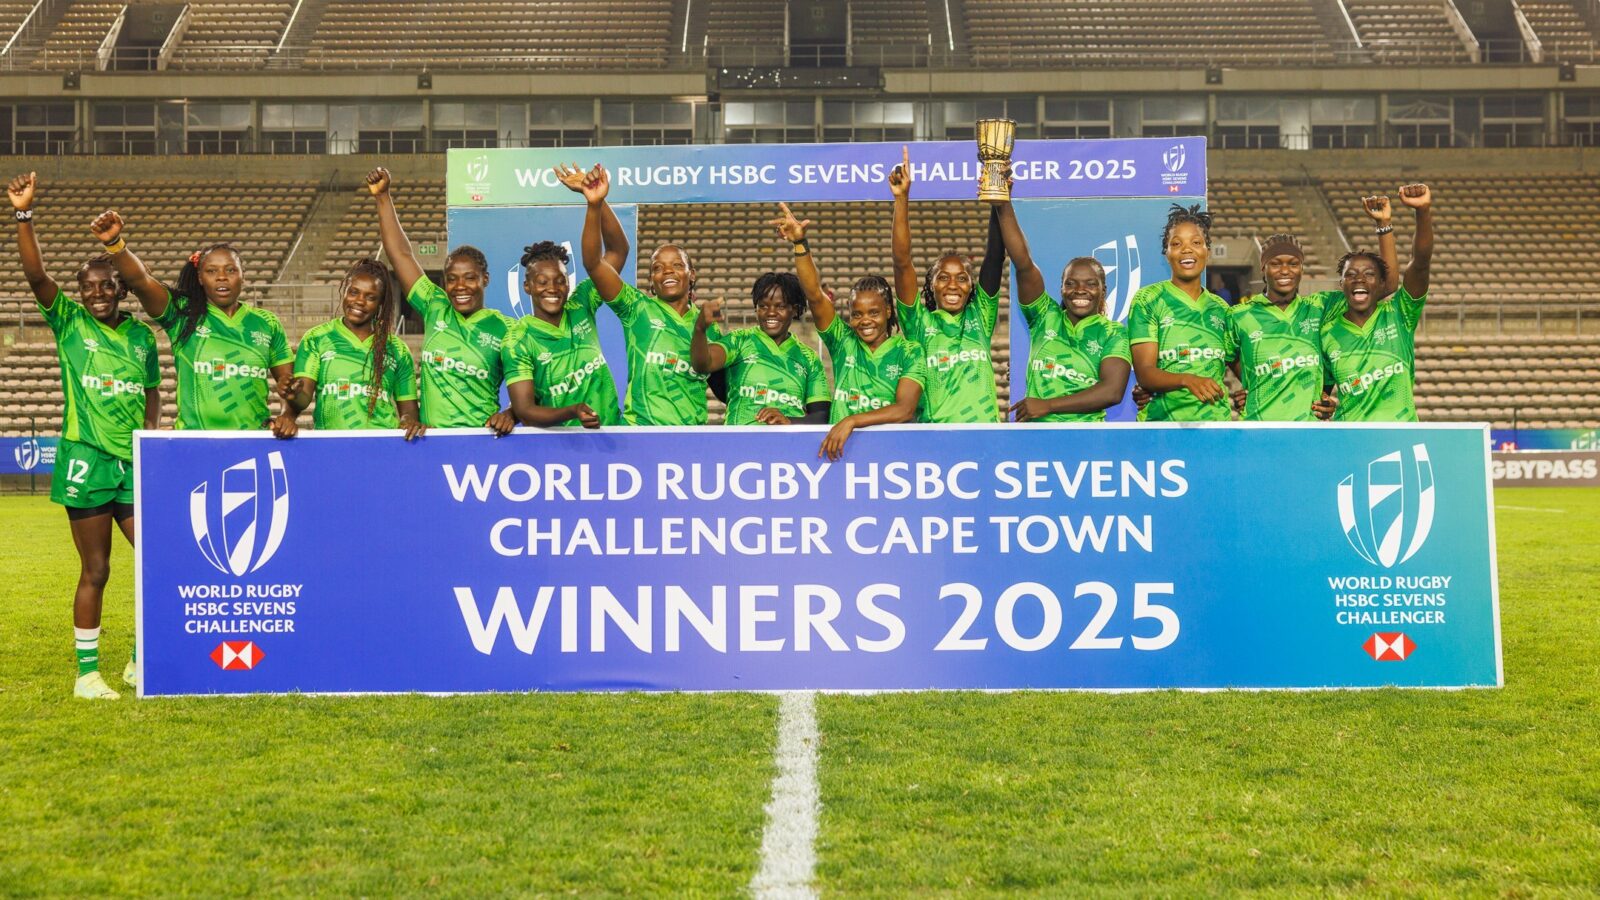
1193 215
190 294
471 254
381 322
1383 267
793 294
879 285
104 259
1099 272
927 278
545 250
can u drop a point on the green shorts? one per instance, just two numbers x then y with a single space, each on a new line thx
86 477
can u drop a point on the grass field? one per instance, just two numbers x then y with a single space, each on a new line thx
1482 792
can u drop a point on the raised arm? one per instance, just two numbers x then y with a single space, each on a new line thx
396 245
1419 198
612 237
20 190
905 271
805 266
1030 281
596 261
1378 208
152 294
705 355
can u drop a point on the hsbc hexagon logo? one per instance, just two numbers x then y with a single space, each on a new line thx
1397 495
1389 646
239 520
232 656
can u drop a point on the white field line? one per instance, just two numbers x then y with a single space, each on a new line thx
788 845
1528 508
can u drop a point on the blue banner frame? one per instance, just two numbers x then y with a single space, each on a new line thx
1110 557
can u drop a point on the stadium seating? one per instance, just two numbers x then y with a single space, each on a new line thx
1252 208
74 40
1506 239
231 35
1144 32
1407 31
489 34
1532 381
1560 29
421 207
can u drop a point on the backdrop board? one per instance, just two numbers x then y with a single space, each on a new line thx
27 456
930 557
1101 198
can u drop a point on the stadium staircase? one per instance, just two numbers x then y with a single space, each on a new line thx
307 16
31 41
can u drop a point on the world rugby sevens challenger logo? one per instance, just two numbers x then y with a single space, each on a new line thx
1175 157
28 454
1378 535
228 530
1124 276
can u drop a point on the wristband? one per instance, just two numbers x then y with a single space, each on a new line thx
1383 230
23 215
116 246
802 247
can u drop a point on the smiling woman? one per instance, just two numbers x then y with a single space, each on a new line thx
1179 330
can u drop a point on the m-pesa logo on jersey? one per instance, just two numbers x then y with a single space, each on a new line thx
1283 365
1185 353
222 370
444 363
239 525
237 655
110 385
1378 533
1389 646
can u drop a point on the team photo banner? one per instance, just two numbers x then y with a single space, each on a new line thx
27 456
756 173
930 557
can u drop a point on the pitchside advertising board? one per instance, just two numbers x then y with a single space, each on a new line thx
1102 198
27 456
930 557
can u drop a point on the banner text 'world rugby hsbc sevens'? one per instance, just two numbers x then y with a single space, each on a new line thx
978 557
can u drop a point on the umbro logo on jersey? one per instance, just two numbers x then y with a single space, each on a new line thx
203 331
328 355
1389 646
1050 334
1167 321
237 655
441 325
929 331
240 525
545 357
1398 494
658 325
91 345
1254 336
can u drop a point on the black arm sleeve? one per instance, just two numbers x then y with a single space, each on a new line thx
994 256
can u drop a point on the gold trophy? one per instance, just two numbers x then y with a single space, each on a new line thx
996 137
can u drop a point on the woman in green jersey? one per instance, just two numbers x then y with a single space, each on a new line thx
461 365
556 373
359 375
226 350
1178 330
1078 360
111 382
773 379
663 387
950 318
1368 348
878 375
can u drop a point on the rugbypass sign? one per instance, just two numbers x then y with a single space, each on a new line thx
987 557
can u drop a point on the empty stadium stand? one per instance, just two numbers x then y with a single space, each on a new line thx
1407 31
420 205
1251 209
1531 381
489 34
231 35
1561 30
77 36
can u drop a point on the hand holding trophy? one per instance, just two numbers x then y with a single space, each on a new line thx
996 138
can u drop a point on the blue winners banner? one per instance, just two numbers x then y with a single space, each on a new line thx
27 456
983 557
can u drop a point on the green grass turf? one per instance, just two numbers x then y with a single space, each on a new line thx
1482 792
508 794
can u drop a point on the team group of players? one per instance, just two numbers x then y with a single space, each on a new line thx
916 350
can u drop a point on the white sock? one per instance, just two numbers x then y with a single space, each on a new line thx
87 643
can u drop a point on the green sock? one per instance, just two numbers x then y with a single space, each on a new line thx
88 644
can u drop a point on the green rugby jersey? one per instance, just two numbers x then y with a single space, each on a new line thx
104 374
461 368
960 386
1064 358
341 364
564 361
225 364
1280 354
761 373
663 388
1191 338
1373 366
863 379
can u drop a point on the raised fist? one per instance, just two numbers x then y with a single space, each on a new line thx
1416 196
20 190
710 311
1378 208
378 181
107 226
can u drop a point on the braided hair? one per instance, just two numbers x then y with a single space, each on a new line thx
381 321
1194 215
544 250
879 285
928 299
793 294
190 294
